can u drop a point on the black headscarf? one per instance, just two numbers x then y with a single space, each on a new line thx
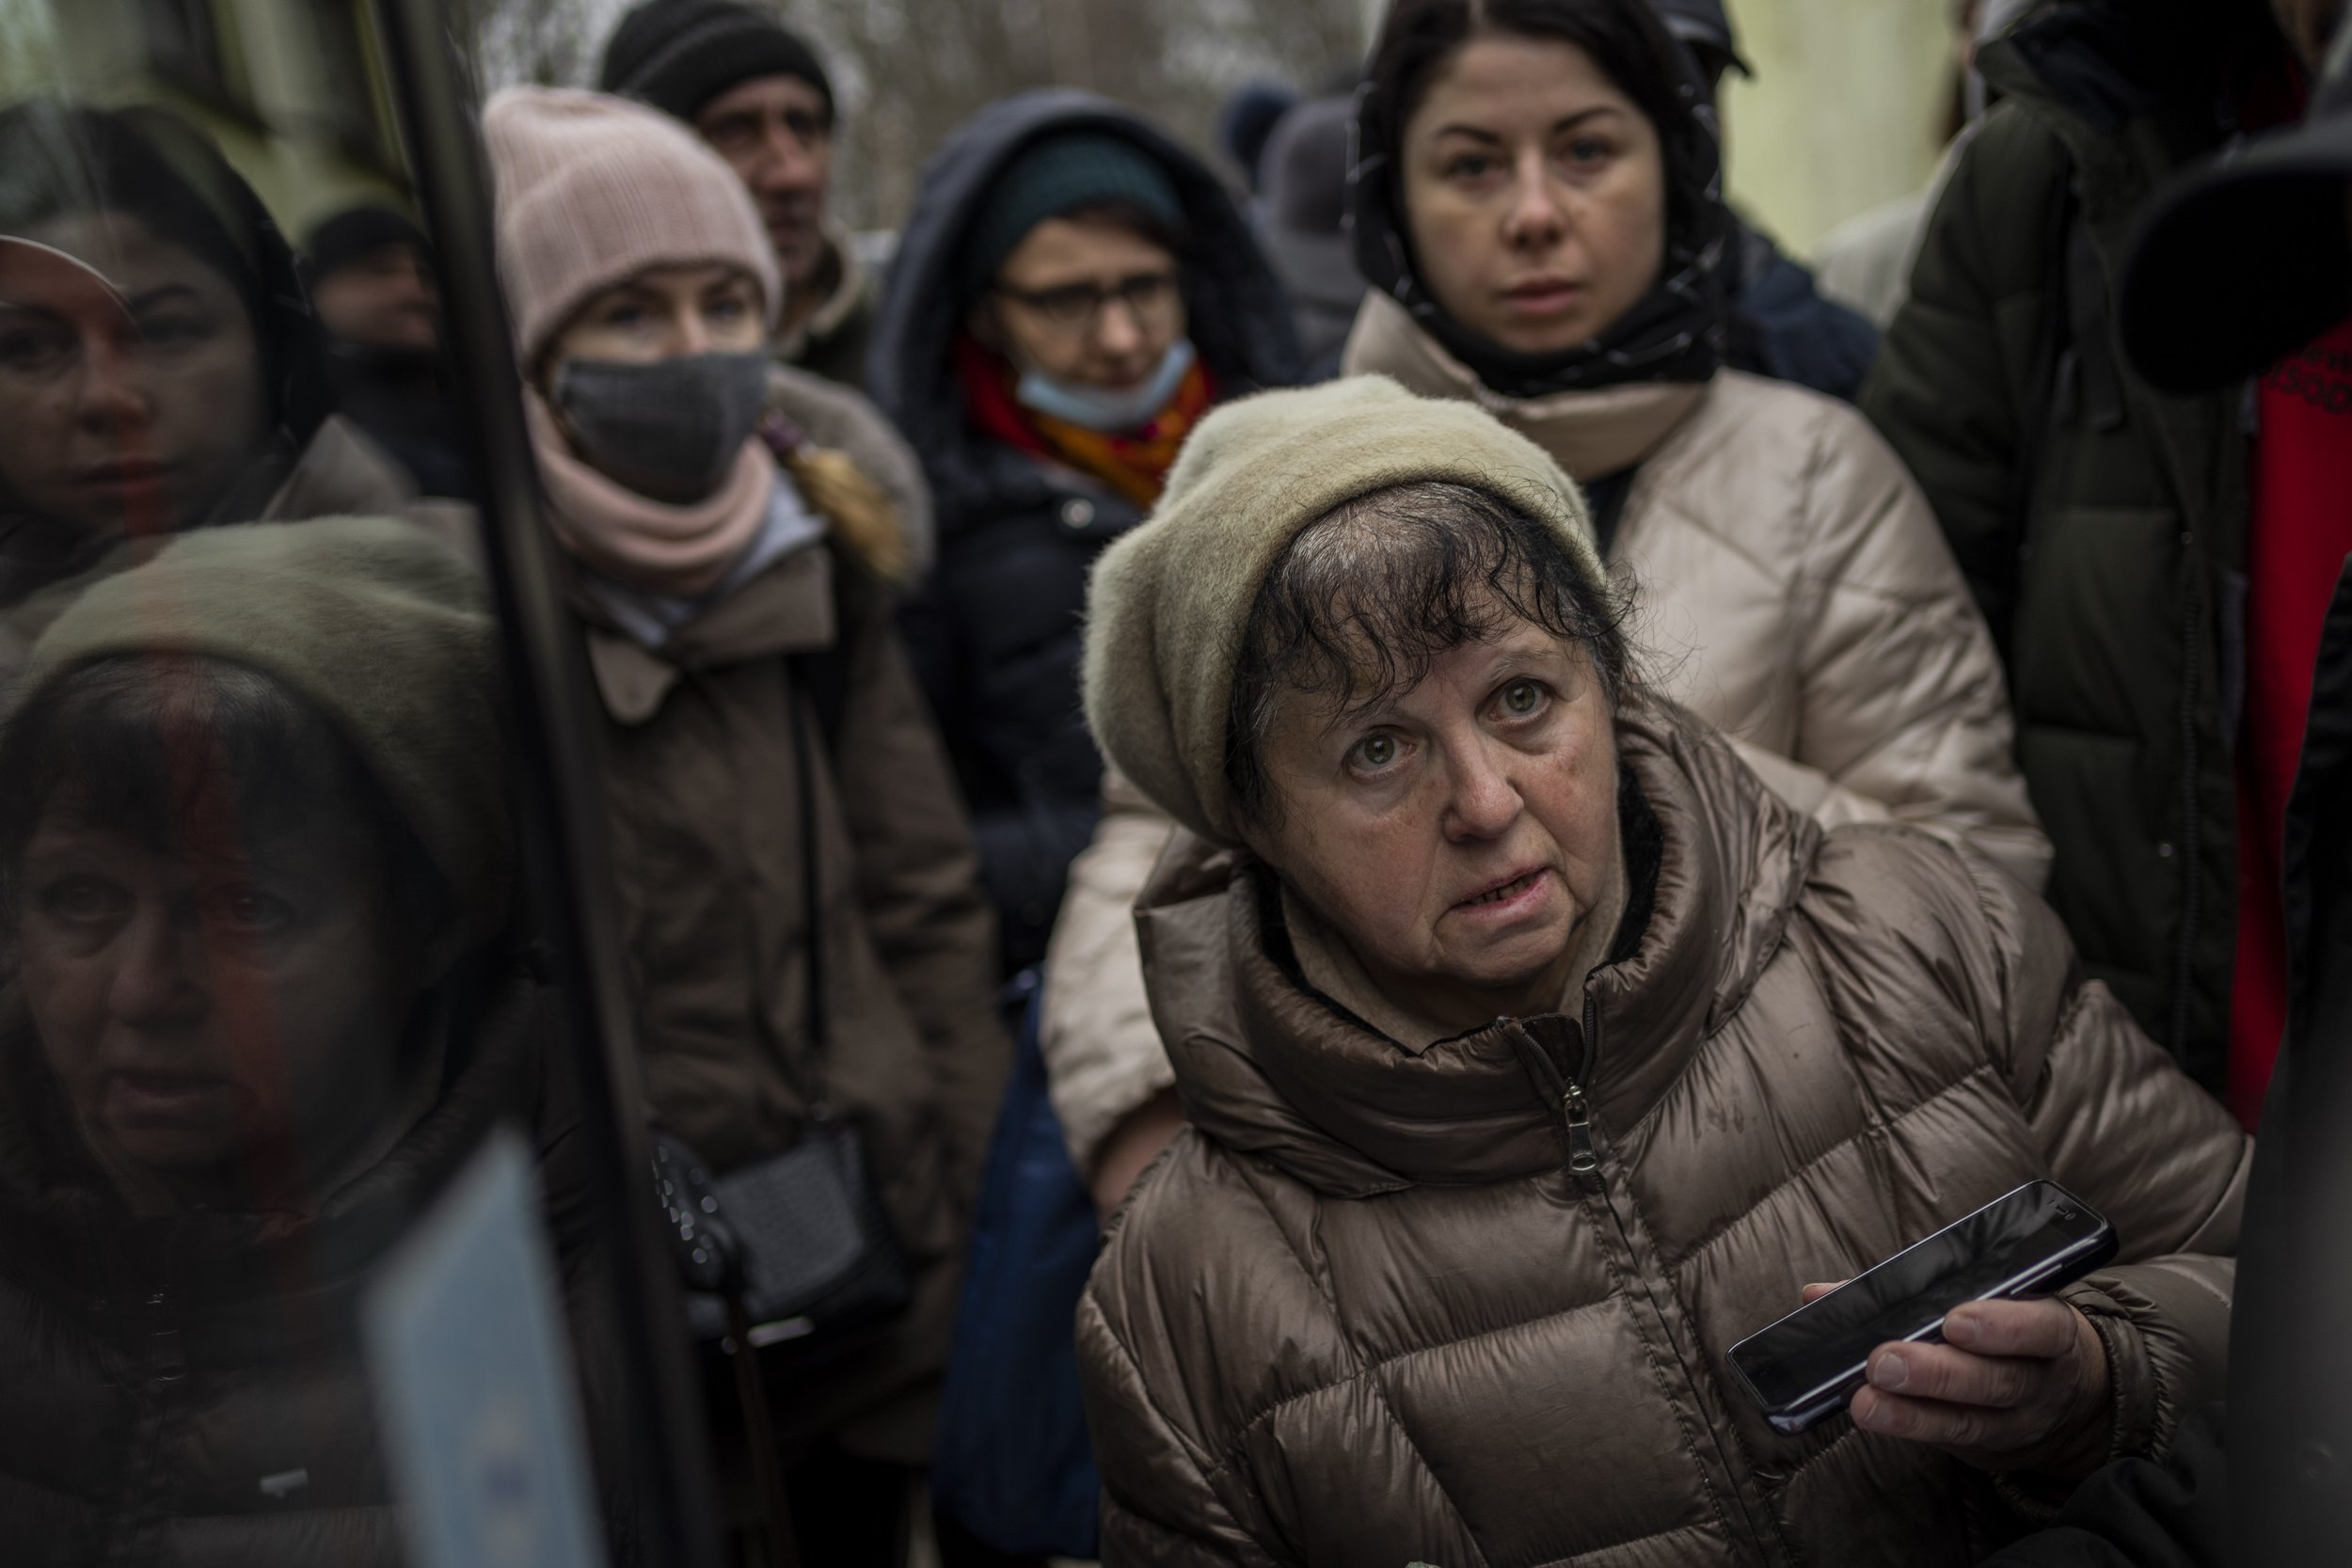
1679 331
60 160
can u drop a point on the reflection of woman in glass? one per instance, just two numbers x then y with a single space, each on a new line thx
254 901
159 367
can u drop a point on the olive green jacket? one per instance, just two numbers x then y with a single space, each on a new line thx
2100 524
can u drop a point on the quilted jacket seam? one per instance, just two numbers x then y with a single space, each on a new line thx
1194 1452
1675 1403
1591 1552
1413 1443
1802 1466
1373 1369
1857 1135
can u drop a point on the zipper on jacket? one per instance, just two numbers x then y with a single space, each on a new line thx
1581 1158
1584 1160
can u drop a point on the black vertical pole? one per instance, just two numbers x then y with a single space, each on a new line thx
562 822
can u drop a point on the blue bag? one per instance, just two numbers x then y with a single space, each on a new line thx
1012 1464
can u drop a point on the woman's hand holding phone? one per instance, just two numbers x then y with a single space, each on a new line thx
2016 1386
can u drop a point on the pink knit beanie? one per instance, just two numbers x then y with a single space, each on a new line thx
591 189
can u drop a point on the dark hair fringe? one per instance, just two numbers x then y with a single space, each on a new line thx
172 750
1362 601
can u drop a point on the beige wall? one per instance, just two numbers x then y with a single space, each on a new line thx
1845 112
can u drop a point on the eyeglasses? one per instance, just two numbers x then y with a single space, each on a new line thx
1149 296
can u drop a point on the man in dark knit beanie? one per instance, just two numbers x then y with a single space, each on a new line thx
758 94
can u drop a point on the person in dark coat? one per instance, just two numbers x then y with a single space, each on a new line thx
2262 1481
1245 126
1302 218
1071 293
2129 546
370 274
266 997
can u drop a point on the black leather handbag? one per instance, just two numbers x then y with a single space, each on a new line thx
796 1251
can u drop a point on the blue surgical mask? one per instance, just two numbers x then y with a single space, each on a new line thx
1111 413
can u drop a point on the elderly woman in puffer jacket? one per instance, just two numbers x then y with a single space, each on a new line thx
1538 205
1534 1054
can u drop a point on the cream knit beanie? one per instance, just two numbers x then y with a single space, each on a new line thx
1168 603
591 188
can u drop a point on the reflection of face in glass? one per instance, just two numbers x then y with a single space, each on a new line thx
132 416
211 942
1088 301
384 300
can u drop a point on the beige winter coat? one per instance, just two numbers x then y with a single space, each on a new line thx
1371 1308
1790 587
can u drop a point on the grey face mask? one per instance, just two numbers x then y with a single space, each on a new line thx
669 429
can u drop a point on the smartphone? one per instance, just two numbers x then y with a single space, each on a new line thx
1806 1365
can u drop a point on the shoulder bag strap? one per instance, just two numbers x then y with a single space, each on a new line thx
807 736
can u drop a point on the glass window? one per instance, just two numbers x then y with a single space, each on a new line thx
319 1232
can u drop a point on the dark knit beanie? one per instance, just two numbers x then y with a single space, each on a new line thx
679 55
356 232
1056 175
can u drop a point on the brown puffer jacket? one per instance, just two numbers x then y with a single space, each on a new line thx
1363 1311
697 757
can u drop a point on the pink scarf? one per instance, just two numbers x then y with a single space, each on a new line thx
637 541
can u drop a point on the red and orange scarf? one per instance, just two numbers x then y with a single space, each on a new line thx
1135 465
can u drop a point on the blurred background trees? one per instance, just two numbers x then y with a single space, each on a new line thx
908 72
1847 108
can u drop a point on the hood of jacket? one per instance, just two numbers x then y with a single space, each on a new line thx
1267 1065
1240 318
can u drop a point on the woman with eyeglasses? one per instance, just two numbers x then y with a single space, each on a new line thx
1074 292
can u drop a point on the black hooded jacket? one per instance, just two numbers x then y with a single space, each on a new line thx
2263 1480
994 635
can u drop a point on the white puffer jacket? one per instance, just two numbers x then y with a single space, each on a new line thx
1790 587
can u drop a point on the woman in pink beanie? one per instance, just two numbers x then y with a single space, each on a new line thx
799 893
